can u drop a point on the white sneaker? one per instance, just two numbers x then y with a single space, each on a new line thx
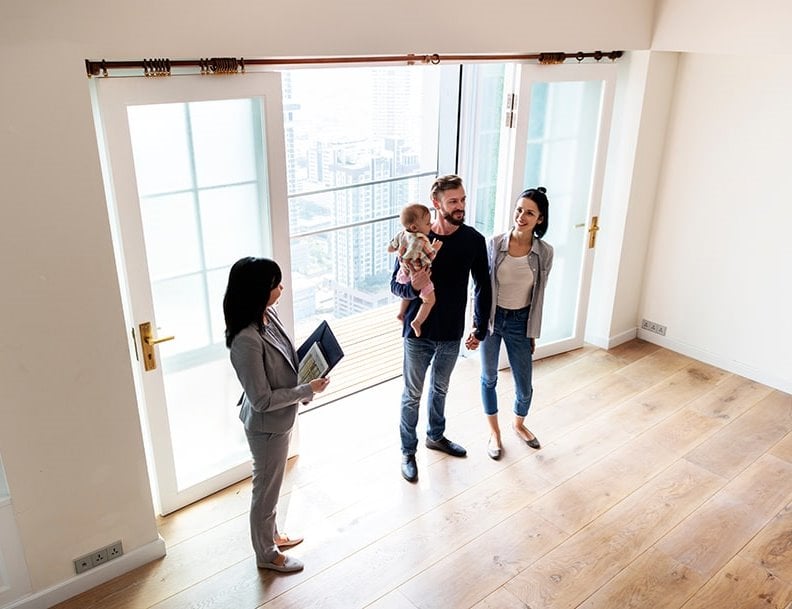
290 565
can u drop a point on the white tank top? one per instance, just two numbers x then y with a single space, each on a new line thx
515 283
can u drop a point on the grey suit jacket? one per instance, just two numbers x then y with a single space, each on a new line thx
540 259
268 373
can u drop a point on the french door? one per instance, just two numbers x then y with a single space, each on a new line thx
560 119
196 178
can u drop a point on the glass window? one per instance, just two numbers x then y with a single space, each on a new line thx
483 105
360 144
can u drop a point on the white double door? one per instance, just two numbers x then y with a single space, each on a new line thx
195 174
196 178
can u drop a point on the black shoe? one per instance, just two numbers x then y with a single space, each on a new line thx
533 442
447 446
409 468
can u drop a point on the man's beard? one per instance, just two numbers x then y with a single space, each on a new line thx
456 221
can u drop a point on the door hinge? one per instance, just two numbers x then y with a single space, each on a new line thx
511 102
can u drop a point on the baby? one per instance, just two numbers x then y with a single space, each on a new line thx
415 252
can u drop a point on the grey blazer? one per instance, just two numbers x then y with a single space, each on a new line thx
268 373
540 259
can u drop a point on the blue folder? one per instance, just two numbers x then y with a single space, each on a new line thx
328 345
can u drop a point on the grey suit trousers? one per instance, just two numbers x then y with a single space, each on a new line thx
269 451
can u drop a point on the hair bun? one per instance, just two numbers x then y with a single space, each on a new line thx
542 189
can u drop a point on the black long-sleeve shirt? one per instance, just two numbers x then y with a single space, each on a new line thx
463 254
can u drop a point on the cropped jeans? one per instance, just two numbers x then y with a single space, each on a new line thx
510 326
418 354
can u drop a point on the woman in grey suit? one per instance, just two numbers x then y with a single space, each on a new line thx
265 362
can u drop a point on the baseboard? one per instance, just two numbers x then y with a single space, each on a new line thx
713 359
609 342
90 579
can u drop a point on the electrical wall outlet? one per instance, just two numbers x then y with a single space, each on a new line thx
652 326
98 557
114 550
83 563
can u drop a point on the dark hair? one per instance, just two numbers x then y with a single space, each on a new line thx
538 196
444 183
250 282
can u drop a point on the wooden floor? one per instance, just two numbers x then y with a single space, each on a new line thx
662 482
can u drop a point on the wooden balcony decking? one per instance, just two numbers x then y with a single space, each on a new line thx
372 347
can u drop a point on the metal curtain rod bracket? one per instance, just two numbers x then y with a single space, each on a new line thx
232 65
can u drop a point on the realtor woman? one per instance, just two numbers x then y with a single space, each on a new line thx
265 362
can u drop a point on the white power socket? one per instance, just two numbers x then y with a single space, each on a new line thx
98 557
653 327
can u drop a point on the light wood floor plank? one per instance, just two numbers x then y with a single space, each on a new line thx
708 538
772 546
747 437
394 600
664 398
653 580
742 585
783 449
501 599
591 557
662 482
416 546
576 502
486 563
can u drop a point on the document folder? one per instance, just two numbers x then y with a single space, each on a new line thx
319 354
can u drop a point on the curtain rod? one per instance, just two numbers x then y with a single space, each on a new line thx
232 65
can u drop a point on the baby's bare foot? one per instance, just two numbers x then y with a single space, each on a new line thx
416 326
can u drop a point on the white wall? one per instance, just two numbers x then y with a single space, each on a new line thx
718 272
69 430
644 95
723 26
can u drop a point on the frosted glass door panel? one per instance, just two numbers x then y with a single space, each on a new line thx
560 143
561 148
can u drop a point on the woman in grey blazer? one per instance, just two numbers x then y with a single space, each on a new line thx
265 362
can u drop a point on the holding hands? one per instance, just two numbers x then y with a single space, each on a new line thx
471 342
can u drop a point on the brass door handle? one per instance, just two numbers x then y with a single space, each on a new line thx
157 341
147 342
592 231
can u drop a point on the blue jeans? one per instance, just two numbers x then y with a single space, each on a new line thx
418 354
510 327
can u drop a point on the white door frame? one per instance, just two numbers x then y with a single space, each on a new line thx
111 98
522 78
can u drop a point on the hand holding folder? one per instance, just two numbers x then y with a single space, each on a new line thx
319 354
